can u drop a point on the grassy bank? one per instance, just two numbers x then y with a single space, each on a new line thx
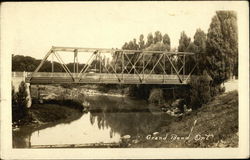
42 116
51 113
47 115
213 125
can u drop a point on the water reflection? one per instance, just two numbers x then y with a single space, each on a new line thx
108 119
124 116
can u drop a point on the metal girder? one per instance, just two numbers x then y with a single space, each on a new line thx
174 68
104 50
134 68
122 59
42 62
63 65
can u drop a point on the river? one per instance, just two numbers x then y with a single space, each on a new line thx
108 119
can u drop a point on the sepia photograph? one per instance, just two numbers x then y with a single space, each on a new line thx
153 76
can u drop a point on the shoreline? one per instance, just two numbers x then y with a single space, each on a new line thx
219 112
213 125
37 115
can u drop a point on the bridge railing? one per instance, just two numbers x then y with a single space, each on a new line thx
102 75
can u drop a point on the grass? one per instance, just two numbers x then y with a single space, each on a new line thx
218 118
53 113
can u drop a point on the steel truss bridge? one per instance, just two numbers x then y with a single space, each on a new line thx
123 67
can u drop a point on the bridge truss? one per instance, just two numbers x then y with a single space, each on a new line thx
122 67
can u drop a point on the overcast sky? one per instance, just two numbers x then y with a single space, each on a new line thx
32 28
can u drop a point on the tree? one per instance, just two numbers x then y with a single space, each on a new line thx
150 40
166 40
158 47
200 49
13 94
135 45
200 90
141 42
125 46
156 96
200 41
22 98
183 42
229 30
222 46
157 37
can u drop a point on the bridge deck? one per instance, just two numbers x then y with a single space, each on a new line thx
57 78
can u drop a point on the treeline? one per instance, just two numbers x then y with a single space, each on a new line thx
22 63
216 55
216 50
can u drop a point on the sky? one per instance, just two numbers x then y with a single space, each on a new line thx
31 28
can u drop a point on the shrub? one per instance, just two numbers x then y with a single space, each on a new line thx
141 91
19 102
156 96
200 90
13 95
215 90
75 104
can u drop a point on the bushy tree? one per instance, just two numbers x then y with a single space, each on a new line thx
200 49
125 46
185 45
200 40
22 98
200 90
156 96
135 45
23 63
150 39
13 95
159 47
198 46
222 46
141 42
183 42
166 40
157 37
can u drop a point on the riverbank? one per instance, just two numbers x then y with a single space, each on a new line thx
58 104
39 117
213 125
46 115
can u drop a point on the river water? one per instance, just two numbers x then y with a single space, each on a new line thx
108 120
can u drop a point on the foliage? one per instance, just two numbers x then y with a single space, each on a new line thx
22 97
200 90
19 102
183 42
157 37
140 91
13 95
222 46
156 96
23 63
200 49
166 40
141 42
72 103
158 47
26 63
107 87
150 39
